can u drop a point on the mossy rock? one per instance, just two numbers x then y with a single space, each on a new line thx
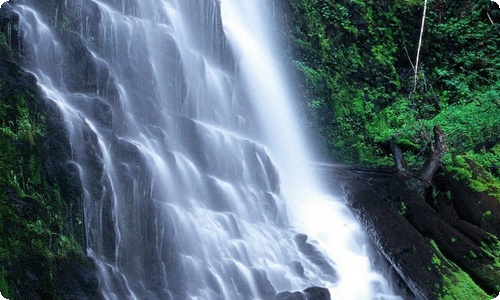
41 229
475 193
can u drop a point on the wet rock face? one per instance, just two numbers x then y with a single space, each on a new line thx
7 21
311 293
314 255
317 293
290 296
42 236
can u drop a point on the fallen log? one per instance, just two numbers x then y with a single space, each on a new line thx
414 223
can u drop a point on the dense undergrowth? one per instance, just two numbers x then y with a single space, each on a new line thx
357 58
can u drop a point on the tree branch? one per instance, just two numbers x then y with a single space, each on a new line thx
419 46
399 159
433 162
491 20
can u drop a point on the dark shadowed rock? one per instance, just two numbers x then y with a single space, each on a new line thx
314 255
311 293
298 269
317 293
400 243
290 296
42 231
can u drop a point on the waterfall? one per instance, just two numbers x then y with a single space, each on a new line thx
195 171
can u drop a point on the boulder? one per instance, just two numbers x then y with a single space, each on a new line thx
310 293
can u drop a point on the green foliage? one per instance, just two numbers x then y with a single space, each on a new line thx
357 56
357 60
5 287
486 215
4 46
403 208
3 40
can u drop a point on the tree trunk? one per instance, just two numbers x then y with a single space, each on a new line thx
399 159
433 162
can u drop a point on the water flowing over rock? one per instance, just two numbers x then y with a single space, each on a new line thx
189 153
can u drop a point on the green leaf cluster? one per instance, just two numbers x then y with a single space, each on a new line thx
357 59
4 46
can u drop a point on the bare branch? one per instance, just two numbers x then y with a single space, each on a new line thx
419 46
493 23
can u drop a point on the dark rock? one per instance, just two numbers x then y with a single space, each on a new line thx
6 13
290 296
79 280
314 255
468 255
317 293
27 208
298 269
48 212
310 293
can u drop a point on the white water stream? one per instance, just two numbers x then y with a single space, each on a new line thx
195 170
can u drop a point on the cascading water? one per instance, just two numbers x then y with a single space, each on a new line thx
189 152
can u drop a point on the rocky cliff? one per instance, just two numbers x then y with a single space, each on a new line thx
42 235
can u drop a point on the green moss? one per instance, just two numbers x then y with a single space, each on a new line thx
29 231
7 290
456 284
3 40
475 170
4 46
486 215
459 286
492 246
435 261
403 208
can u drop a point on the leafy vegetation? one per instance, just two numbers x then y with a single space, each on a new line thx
357 59
4 46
